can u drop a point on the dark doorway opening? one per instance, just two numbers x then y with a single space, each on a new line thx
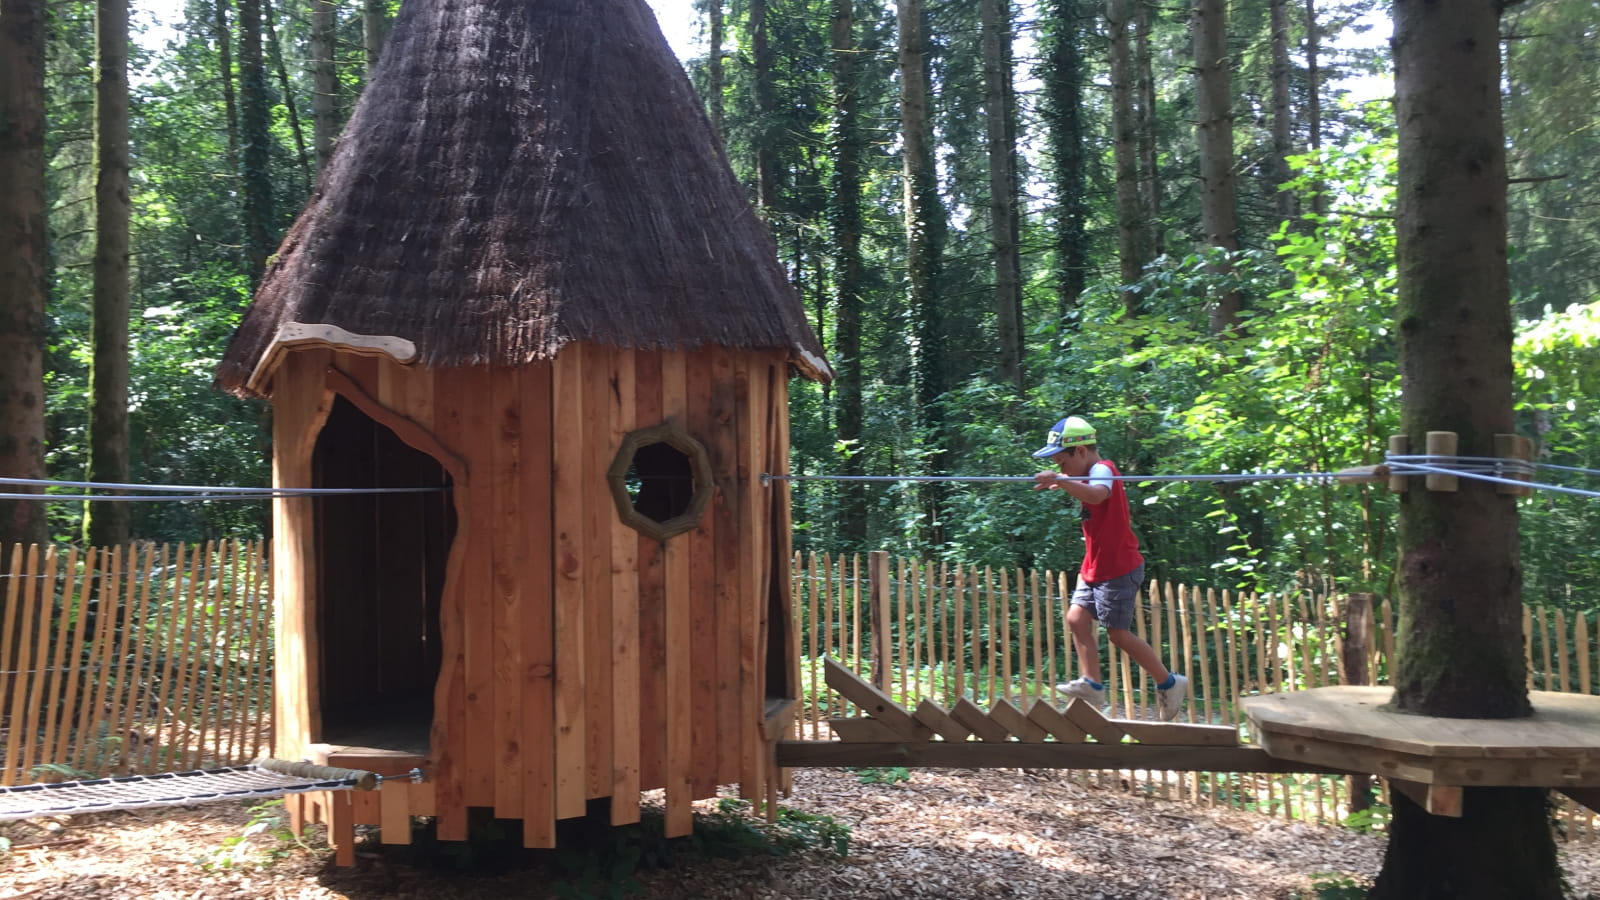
381 571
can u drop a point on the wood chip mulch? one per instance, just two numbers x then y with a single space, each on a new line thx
944 834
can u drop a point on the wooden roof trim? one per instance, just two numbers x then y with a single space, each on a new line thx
298 335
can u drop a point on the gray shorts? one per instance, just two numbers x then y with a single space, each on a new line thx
1113 599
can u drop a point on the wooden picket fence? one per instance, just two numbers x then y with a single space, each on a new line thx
940 631
133 660
178 675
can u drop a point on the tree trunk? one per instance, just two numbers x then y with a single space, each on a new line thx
255 139
1064 115
1460 582
24 255
1319 204
1214 134
1144 111
374 29
108 524
1282 117
761 56
714 73
293 114
324 80
925 232
1132 230
848 150
224 38
1000 121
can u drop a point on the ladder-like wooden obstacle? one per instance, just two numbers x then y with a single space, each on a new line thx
1330 730
1075 736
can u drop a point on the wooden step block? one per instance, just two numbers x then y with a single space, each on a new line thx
1015 722
933 715
1042 714
978 722
1179 733
863 730
1083 714
874 702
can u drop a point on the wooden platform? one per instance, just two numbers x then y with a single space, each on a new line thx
1430 758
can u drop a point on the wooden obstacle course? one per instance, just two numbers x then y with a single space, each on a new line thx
1043 736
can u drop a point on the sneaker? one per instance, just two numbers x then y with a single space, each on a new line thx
1083 690
1171 702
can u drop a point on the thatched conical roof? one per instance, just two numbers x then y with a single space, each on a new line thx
521 174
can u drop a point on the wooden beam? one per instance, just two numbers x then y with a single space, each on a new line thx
934 716
1042 755
1437 799
1015 722
1042 714
873 702
978 722
1178 733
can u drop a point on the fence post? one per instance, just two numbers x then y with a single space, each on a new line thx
882 639
1357 626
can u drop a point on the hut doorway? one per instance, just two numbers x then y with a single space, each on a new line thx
380 575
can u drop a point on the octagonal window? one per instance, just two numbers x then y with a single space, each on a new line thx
661 481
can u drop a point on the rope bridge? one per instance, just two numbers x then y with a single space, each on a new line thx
262 778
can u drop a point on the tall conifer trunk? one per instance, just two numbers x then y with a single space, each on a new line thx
1213 109
24 242
925 234
107 524
324 80
1460 580
846 222
374 31
1000 122
1064 115
255 138
1282 115
761 55
714 76
1132 229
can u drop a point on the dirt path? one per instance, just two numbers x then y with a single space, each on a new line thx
945 834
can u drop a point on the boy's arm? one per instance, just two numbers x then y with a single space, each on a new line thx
1084 489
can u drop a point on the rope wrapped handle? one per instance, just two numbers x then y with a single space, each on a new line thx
360 779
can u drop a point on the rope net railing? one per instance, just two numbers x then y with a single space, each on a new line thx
264 778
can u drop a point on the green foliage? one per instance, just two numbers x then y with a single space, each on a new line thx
1374 818
881 774
266 839
1336 886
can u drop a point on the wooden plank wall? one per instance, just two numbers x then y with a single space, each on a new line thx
581 659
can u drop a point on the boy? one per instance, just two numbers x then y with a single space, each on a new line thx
1112 570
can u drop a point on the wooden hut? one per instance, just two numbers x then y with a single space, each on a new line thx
528 276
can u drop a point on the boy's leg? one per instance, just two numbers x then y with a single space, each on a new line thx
1140 651
1081 621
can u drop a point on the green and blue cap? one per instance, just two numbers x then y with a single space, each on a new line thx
1069 432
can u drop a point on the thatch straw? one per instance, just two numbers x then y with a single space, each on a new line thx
521 174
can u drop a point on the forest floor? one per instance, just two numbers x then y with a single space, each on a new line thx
943 834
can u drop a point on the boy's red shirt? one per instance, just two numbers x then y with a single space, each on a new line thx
1111 549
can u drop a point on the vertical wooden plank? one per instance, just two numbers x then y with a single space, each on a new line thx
211 665
679 633
57 697
695 416
722 443
266 675
1035 613
989 604
624 560
597 513
808 627
855 613
569 500
31 669
778 531
448 746
10 682
162 732
509 572
1005 634
1543 619
538 726
1580 643
477 429
18 747
108 598
652 600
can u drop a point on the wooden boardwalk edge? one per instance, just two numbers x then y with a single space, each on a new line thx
1044 755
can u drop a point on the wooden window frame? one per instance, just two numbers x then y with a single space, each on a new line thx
673 435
